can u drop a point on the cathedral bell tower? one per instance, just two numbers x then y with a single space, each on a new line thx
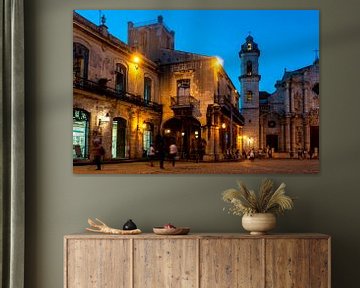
249 81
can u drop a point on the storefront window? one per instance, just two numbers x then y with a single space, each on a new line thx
81 119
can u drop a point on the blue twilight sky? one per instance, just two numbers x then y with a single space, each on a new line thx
286 38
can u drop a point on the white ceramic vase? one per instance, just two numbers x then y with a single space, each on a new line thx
259 223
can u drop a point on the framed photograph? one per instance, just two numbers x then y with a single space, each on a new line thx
196 91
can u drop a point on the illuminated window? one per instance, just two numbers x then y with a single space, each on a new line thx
80 60
249 46
249 96
147 89
120 78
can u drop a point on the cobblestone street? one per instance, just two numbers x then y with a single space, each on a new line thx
242 167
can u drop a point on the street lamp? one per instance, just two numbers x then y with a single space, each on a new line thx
136 60
103 119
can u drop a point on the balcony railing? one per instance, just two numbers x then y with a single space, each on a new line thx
91 86
186 100
185 105
229 108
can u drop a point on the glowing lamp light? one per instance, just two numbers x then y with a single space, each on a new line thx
219 61
136 60
223 125
167 131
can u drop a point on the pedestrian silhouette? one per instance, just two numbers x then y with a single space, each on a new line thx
172 153
151 155
160 149
98 152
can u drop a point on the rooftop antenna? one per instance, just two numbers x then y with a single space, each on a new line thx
100 17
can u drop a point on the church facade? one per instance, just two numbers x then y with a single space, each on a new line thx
286 121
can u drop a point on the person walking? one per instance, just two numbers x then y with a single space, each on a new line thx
252 154
98 152
172 153
151 155
160 149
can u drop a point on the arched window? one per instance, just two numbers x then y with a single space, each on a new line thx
249 96
147 89
81 121
120 77
80 60
249 68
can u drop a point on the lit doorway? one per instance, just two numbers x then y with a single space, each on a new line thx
148 137
272 141
118 150
314 138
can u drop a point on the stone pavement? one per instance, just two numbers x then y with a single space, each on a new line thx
267 166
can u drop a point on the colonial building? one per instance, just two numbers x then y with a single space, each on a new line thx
127 93
287 120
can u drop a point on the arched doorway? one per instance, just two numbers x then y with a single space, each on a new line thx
118 148
185 132
81 124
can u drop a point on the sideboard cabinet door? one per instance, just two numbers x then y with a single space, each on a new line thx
297 263
98 263
167 263
229 263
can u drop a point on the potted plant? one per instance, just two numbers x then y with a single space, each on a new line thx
258 210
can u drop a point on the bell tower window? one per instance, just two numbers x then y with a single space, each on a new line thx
249 46
249 96
249 68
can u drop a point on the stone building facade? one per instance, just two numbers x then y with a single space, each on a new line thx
286 121
127 94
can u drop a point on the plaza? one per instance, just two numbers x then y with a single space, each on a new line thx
263 166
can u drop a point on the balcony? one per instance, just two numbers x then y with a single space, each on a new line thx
229 109
94 87
185 106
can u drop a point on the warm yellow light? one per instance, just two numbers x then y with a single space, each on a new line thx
136 59
167 131
223 125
